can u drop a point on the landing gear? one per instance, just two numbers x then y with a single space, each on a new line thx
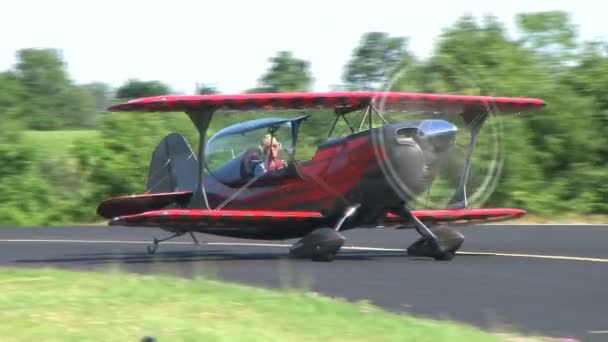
194 238
151 248
437 243
444 247
324 243
327 257
320 245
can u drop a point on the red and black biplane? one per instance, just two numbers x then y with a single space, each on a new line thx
238 185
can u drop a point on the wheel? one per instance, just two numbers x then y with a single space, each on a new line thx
428 248
324 257
445 256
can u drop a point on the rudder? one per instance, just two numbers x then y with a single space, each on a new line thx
173 166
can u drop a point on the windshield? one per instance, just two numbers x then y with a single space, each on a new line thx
246 150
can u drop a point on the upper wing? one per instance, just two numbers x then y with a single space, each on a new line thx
383 100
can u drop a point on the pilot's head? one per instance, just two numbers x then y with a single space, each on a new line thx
270 147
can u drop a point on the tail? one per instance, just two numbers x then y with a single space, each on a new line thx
173 166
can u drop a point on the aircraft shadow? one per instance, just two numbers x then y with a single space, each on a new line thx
207 255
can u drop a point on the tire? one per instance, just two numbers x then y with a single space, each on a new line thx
445 256
324 258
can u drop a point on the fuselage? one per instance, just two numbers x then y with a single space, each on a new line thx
379 169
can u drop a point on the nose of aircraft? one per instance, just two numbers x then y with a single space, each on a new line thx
439 134
413 151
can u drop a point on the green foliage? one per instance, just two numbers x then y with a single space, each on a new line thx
286 74
135 88
377 58
57 144
101 94
50 99
554 160
42 71
11 96
549 154
26 194
117 163
550 32
203 89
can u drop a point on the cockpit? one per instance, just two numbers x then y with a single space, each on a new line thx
257 149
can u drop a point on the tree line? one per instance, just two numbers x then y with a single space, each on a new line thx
555 159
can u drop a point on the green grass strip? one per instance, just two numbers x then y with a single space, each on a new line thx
54 305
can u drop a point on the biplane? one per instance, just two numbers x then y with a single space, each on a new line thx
237 185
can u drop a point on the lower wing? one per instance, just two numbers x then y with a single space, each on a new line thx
476 215
178 218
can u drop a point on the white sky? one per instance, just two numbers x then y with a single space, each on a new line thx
228 43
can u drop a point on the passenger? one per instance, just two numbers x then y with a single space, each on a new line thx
270 152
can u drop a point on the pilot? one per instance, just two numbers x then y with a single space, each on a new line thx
270 151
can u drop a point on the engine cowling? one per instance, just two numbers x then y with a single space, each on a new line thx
412 152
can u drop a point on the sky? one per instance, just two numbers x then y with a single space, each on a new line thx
227 44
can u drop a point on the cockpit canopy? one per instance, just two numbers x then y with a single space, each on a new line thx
237 154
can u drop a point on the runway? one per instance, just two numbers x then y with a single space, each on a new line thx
549 280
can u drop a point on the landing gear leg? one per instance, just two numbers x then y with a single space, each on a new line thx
438 243
194 238
154 245
348 212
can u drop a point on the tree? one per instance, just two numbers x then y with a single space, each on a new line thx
589 77
25 192
42 71
51 100
43 75
538 147
286 74
377 58
77 102
203 89
11 96
101 94
135 88
550 33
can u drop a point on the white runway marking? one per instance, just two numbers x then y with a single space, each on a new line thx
246 244
522 225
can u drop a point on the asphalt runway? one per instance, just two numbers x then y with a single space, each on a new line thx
549 280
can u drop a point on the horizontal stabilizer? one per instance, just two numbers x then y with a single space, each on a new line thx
136 204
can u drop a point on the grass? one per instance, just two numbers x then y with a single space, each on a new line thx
53 305
56 143
567 218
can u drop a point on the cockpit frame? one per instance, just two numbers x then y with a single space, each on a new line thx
235 171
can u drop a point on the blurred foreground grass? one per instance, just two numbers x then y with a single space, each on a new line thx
53 305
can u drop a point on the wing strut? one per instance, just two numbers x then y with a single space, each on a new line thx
459 200
368 114
201 120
